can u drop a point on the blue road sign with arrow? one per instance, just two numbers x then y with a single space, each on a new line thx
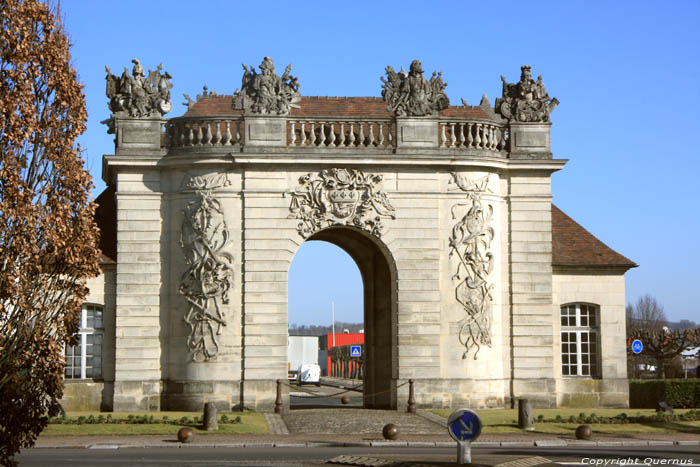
464 425
637 346
355 351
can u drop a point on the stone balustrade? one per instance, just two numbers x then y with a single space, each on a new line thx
188 132
309 133
473 135
347 133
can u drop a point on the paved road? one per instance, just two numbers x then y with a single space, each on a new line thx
312 396
281 456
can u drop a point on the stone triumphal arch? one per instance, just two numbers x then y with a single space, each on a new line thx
475 285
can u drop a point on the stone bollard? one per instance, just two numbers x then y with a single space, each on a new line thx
526 418
210 421
411 408
278 398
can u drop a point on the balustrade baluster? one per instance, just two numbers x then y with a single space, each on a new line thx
443 137
207 135
226 141
494 140
371 135
470 136
181 131
453 137
381 134
322 135
190 137
293 135
219 136
331 137
351 136
303 134
341 137
461 135
238 132
391 137
477 136
361 142
312 135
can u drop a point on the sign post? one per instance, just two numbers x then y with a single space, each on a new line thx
637 346
464 426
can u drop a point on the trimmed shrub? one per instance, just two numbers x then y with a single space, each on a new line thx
678 393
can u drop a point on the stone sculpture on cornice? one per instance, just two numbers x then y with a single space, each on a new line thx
470 241
411 95
525 101
265 93
206 282
340 197
138 96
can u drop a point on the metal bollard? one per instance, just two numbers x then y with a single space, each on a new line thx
411 398
278 401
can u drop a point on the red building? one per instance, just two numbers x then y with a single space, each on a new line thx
326 342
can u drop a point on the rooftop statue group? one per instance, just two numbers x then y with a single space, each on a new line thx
525 101
138 96
265 93
411 95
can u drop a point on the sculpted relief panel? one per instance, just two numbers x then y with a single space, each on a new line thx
206 282
340 197
471 241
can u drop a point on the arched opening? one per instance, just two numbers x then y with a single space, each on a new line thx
378 303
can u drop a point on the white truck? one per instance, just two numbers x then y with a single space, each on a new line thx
301 350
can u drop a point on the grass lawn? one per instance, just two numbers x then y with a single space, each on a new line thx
506 421
252 423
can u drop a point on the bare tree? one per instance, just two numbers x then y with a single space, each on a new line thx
48 238
649 314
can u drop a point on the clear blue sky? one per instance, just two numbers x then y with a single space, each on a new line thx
626 73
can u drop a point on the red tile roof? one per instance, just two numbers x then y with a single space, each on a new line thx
572 245
372 107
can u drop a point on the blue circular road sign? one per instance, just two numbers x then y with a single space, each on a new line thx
464 425
637 346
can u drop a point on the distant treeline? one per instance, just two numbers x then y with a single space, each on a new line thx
314 330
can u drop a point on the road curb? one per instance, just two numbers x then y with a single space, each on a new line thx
380 444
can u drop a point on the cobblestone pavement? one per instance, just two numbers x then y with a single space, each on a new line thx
349 421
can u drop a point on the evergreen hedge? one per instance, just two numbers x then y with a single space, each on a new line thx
678 393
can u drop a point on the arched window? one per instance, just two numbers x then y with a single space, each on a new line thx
85 359
579 340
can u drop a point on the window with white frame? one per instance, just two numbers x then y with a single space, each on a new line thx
579 340
84 360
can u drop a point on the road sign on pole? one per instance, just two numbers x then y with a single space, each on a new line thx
355 351
464 426
637 346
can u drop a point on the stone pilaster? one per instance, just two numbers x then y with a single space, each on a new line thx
138 323
532 320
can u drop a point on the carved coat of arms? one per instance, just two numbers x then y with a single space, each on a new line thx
411 95
526 100
265 93
340 197
137 95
